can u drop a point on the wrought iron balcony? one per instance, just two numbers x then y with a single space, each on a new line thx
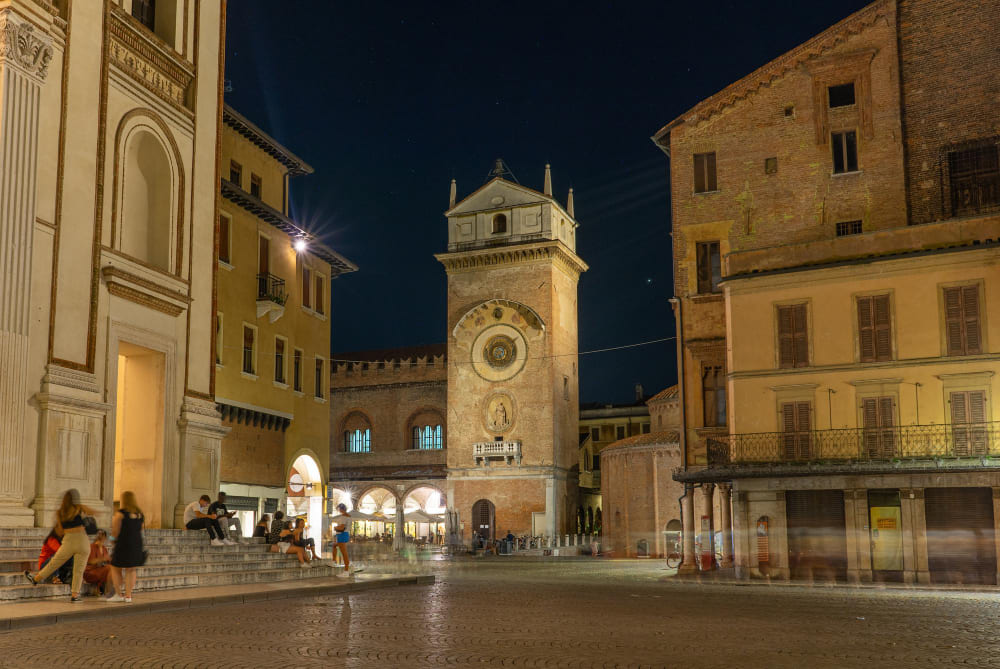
485 451
889 445
271 288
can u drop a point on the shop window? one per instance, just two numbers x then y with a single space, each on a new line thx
793 342
704 173
845 151
709 267
962 322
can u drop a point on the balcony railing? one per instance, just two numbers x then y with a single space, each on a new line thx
485 451
911 442
271 288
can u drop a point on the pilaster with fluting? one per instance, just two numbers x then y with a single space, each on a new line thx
25 53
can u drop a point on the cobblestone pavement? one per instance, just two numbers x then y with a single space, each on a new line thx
563 614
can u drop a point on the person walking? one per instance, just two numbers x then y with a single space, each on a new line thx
75 543
128 553
98 570
197 517
343 537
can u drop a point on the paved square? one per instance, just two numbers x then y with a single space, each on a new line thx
551 614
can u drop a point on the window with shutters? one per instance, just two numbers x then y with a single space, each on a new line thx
279 359
709 267
235 173
874 328
318 381
793 336
249 349
306 287
962 322
968 422
713 385
879 431
297 370
704 173
796 423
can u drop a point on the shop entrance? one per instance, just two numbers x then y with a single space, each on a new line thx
139 425
960 535
817 535
483 514
886 530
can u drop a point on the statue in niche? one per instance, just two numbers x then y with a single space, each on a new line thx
499 414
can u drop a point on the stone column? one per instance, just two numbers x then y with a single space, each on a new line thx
397 538
907 498
859 560
726 523
25 53
687 519
707 529
920 537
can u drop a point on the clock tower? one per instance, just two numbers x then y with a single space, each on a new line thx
513 388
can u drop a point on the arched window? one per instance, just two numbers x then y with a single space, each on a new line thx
148 183
499 223
428 437
357 433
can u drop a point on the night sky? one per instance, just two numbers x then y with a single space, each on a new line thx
390 101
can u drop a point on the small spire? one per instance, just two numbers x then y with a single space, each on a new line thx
451 195
548 180
569 204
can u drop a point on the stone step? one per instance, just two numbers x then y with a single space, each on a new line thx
193 539
13 561
28 591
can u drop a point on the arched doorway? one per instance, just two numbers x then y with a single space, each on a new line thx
424 514
484 519
378 507
305 495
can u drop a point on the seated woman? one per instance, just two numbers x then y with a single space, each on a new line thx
302 541
98 570
261 528
277 525
286 545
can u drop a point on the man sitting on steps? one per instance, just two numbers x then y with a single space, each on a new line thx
196 517
227 519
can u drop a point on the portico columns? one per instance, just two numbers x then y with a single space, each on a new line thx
687 518
25 53
708 523
398 540
726 523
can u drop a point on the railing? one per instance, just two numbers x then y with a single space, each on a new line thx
503 450
272 288
911 442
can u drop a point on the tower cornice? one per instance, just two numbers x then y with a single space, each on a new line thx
554 251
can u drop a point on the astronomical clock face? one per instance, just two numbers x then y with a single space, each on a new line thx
500 335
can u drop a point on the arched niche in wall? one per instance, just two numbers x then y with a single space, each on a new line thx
149 191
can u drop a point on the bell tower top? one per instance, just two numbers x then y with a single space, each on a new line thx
502 212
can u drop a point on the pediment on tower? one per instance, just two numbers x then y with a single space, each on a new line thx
499 194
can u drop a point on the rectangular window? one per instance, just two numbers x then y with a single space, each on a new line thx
263 255
795 427
319 377
704 173
845 228
596 462
255 185
306 287
879 433
975 179
968 422
218 338
224 242
841 96
565 387
279 359
713 385
249 349
709 267
595 434
961 315
235 173
874 328
145 12
845 151
320 294
620 432
358 441
771 165
645 428
793 336
297 370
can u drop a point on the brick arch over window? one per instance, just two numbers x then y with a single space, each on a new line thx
425 429
356 432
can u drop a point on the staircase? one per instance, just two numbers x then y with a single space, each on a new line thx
177 559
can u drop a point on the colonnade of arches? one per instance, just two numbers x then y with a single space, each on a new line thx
416 514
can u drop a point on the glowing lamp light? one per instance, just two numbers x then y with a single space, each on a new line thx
300 245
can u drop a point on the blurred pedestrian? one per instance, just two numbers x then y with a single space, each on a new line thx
261 528
75 543
343 537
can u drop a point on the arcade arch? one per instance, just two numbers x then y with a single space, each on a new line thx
304 487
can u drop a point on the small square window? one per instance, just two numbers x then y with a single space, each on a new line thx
789 111
770 166
842 95
845 228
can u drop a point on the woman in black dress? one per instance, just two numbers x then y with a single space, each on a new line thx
128 552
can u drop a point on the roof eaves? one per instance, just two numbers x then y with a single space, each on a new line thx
264 141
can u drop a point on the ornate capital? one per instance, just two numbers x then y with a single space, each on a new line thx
19 43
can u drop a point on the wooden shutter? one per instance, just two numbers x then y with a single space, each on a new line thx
800 334
786 344
264 256
970 312
796 424
223 239
710 172
866 332
883 333
968 420
699 173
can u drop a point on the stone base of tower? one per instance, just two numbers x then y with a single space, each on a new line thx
521 506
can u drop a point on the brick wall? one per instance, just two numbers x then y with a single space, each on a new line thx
252 455
949 55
